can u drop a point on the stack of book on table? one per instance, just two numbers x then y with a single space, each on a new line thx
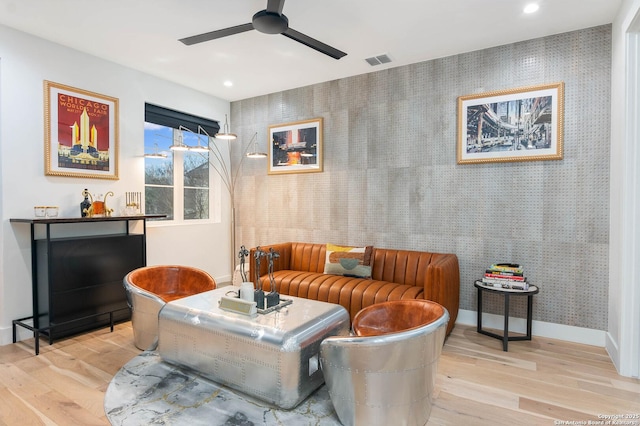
505 275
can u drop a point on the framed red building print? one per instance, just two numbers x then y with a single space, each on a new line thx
81 133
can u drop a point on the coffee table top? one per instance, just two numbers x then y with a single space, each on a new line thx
289 319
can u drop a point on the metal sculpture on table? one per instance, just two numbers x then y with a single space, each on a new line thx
242 254
273 298
259 293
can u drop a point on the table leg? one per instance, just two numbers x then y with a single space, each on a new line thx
36 334
529 315
505 337
479 325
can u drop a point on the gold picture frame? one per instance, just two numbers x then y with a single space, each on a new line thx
524 124
81 133
295 147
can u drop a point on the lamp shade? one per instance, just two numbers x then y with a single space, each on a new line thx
226 134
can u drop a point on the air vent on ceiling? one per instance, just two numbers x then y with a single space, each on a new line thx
377 60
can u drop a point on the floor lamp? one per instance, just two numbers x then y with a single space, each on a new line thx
221 163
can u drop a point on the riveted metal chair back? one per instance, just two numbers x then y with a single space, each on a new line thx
386 376
149 288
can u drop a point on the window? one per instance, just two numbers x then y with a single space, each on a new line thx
177 185
158 172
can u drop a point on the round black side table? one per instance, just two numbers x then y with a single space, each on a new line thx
506 293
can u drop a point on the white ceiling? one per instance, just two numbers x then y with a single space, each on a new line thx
143 34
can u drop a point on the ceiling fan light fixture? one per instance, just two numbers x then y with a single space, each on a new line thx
226 134
270 22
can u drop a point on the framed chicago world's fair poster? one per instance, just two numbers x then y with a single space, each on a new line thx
81 133
524 124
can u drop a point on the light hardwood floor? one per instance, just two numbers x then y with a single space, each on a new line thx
540 382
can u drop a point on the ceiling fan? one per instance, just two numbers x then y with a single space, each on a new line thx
268 21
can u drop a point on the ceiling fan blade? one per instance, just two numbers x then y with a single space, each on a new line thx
275 6
314 44
216 34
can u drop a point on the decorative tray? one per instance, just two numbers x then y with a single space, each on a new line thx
282 304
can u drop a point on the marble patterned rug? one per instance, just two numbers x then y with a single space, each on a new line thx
148 391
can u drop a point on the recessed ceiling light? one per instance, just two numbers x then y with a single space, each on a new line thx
228 83
531 8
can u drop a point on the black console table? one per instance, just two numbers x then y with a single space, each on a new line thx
77 280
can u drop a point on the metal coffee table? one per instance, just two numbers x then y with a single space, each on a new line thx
273 357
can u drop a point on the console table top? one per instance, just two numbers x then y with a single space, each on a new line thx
85 219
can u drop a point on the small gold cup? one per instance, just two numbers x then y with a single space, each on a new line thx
40 211
51 211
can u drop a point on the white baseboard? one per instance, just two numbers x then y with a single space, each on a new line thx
613 350
6 334
223 280
538 328
568 333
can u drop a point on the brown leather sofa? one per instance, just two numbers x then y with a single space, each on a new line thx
395 275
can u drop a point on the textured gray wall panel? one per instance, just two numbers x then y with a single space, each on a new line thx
390 175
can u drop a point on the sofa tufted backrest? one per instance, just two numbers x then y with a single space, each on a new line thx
396 266
400 266
308 257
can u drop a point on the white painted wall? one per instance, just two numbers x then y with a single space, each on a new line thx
25 61
623 337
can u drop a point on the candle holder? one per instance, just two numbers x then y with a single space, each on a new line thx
133 203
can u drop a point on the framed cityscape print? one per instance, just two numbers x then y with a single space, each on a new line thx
295 147
81 133
524 124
